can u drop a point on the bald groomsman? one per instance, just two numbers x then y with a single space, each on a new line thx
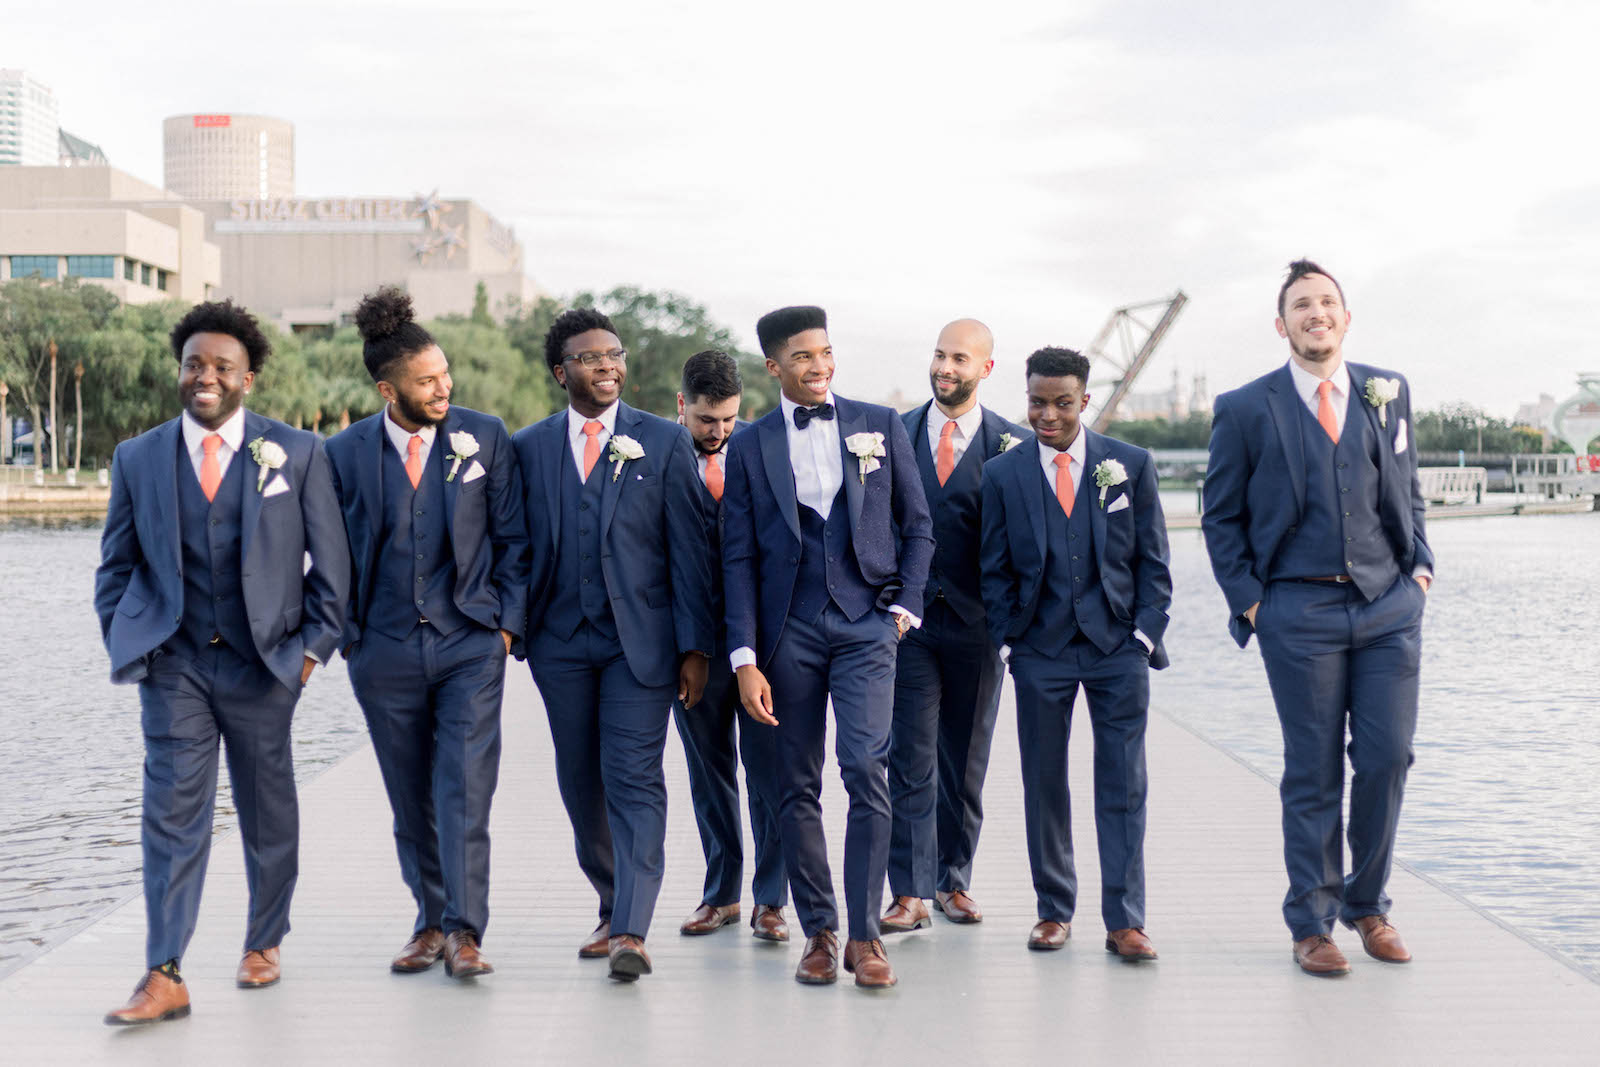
948 672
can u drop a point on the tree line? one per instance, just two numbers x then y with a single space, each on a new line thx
92 371
1449 428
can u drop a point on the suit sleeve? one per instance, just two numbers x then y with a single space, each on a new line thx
120 551
688 550
1152 577
1421 554
909 507
508 535
997 579
327 584
739 564
1227 516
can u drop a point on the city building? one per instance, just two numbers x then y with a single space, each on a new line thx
1172 404
107 228
76 152
28 121
221 157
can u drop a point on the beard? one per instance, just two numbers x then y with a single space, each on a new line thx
417 413
959 393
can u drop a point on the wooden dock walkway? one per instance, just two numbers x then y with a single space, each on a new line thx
1224 991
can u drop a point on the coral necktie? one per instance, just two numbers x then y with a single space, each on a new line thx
714 476
946 460
414 460
210 469
591 447
1064 486
1330 422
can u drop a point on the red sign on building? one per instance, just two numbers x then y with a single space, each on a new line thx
212 120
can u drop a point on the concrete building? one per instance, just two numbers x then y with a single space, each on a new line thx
107 228
221 157
76 152
28 121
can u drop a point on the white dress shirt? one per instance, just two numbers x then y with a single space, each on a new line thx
400 437
1305 383
966 429
578 439
194 436
815 458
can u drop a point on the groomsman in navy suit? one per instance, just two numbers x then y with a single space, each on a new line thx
206 602
948 674
819 590
1314 523
708 406
1076 582
433 506
619 617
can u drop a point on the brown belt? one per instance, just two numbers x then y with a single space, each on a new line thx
1337 579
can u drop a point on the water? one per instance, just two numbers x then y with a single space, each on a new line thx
1503 804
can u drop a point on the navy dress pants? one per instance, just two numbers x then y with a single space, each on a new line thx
186 705
432 704
1334 662
852 662
609 733
1118 691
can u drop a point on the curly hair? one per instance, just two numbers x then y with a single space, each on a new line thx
389 330
1052 362
228 318
569 324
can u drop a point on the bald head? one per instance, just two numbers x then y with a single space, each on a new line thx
962 357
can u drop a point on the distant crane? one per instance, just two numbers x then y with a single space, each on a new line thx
1138 343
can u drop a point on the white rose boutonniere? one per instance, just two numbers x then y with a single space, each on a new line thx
1007 442
866 447
1380 391
1109 472
463 446
269 456
623 448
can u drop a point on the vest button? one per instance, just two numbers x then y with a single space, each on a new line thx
420 580
586 581
1074 559
586 557
1342 466
1349 540
419 555
216 522
1350 563
419 602
583 506
1347 514
1344 489
419 513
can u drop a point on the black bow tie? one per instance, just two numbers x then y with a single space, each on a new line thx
805 415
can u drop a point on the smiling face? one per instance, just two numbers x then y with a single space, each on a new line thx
417 388
803 366
1055 406
213 376
590 390
1314 321
961 359
709 421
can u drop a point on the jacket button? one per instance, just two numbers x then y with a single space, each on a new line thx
1350 563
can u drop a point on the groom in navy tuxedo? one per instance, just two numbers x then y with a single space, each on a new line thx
826 544
206 602
1314 524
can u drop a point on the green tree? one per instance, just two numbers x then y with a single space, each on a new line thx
130 380
1192 432
488 373
45 328
480 306
1467 428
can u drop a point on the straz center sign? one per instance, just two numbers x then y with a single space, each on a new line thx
295 215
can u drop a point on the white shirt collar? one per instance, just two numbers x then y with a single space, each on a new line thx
232 432
400 437
1078 450
607 418
966 424
1305 383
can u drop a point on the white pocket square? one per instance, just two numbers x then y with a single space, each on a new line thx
474 472
279 484
1400 437
1117 505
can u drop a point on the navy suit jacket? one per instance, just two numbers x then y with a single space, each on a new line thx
957 526
653 540
890 530
1130 544
488 539
1255 489
293 611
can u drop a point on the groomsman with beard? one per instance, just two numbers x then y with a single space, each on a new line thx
205 601
1076 582
619 618
1314 524
826 543
433 506
708 407
948 672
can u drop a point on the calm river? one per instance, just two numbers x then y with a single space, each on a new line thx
1503 805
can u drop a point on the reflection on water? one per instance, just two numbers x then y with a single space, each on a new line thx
1503 804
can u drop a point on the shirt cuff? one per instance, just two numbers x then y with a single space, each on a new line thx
743 656
1149 646
313 657
916 623
1422 570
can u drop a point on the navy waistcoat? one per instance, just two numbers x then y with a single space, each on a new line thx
416 573
957 528
580 584
828 568
213 592
1070 597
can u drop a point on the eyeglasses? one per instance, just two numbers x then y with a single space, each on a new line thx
617 356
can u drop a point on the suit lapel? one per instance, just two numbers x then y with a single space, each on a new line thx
611 487
169 445
927 462
852 420
557 449
980 448
441 441
370 483
254 426
1094 450
774 438
1282 400
1357 399
1042 497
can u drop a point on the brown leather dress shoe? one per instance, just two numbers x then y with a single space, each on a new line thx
258 968
1130 944
768 924
958 907
628 958
905 914
461 956
156 998
1048 935
1318 955
709 918
1381 940
869 963
420 953
598 947
819 964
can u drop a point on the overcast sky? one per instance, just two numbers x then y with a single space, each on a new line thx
1033 165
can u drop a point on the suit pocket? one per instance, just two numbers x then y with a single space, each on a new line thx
291 620
131 604
658 596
